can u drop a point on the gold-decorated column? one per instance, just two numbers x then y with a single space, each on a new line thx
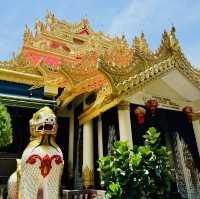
71 145
88 157
100 138
125 122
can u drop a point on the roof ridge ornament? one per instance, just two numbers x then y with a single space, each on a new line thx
27 36
169 42
39 27
50 20
140 45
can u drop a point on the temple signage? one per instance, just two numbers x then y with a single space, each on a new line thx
164 102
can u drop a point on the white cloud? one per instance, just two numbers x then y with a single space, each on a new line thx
130 17
153 16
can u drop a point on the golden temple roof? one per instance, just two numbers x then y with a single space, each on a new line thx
74 57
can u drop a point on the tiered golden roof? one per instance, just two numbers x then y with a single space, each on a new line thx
144 66
74 57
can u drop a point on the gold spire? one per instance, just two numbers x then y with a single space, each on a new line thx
39 27
27 37
50 20
140 45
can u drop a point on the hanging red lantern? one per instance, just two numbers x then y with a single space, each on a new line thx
152 105
188 112
140 113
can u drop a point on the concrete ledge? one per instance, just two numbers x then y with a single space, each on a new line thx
83 194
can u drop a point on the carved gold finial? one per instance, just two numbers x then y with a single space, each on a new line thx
27 35
26 30
173 29
85 20
135 44
39 26
119 54
140 45
123 37
50 19
170 41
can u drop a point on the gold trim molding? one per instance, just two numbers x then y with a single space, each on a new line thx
124 105
19 77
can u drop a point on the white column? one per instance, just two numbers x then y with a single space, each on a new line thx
71 145
100 138
196 128
125 122
88 158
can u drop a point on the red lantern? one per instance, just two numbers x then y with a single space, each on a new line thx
152 105
188 112
140 113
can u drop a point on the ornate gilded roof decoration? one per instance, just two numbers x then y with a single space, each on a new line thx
28 36
126 80
20 70
53 25
141 61
169 45
21 64
83 77
56 40
50 20
119 53
74 57
140 45
59 29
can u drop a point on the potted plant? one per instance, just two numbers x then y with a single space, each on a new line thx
138 172
5 127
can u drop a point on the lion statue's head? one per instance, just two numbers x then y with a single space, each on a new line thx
43 122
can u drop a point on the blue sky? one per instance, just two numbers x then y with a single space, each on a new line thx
114 17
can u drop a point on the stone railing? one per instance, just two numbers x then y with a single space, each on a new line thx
83 194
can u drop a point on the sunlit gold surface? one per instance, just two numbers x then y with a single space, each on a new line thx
91 61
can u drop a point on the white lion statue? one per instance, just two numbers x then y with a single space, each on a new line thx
39 172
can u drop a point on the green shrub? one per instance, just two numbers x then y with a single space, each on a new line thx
5 127
138 172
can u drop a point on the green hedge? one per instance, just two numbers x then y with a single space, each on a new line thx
5 127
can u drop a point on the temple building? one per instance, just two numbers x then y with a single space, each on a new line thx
103 90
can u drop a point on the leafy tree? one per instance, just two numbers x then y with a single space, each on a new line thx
138 172
5 127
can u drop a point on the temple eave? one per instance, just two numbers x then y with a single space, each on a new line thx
19 77
95 111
